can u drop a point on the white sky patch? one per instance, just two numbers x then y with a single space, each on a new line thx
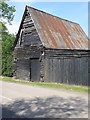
13 28
3 20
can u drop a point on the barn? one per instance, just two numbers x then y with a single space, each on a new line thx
50 49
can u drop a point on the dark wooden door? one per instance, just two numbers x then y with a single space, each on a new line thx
34 69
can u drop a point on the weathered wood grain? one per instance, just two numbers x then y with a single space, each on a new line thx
56 65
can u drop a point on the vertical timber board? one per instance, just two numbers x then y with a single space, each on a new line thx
57 71
45 70
82 70
67 70
64 70
71 72
46 74
76 71
54 70
51 70
85 71
61 70
70 69
23 69
78 74
48 70
35 69
42 74
65 73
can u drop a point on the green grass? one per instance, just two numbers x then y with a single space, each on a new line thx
48 85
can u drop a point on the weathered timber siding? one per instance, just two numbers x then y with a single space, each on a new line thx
69 67
22 62
28 46
35 69
23 69
26 52
41 50
28 34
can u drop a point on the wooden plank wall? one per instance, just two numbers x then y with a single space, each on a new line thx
22 62
28 35
23 69
64 66
69 67
28 46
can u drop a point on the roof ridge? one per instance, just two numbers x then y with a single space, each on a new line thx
52 15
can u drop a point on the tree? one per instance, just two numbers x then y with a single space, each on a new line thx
7 11
7 39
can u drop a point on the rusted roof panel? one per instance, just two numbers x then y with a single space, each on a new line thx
58 33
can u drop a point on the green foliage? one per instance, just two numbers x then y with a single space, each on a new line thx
7 11
7 39
7 54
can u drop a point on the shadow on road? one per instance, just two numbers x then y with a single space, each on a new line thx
47 107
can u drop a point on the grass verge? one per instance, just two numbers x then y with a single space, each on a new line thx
48 85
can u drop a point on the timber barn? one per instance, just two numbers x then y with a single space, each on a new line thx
50 49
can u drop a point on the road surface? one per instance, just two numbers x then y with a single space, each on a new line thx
25 101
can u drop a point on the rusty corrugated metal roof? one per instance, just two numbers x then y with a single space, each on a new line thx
58 33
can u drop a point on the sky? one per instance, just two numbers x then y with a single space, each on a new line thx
73 11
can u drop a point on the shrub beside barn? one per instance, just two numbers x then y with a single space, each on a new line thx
50 49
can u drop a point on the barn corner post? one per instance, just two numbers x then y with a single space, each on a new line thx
42 64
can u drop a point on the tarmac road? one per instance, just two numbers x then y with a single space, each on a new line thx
25 101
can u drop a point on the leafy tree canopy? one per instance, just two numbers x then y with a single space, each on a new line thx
7 14
7 11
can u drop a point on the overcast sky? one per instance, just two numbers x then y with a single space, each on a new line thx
73 11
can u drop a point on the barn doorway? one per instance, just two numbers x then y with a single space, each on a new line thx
34 69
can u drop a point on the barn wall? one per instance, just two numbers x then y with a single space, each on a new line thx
23 69
28 34
69 67
28 46
62 66
22 61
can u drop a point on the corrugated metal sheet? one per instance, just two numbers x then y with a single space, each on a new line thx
58 33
